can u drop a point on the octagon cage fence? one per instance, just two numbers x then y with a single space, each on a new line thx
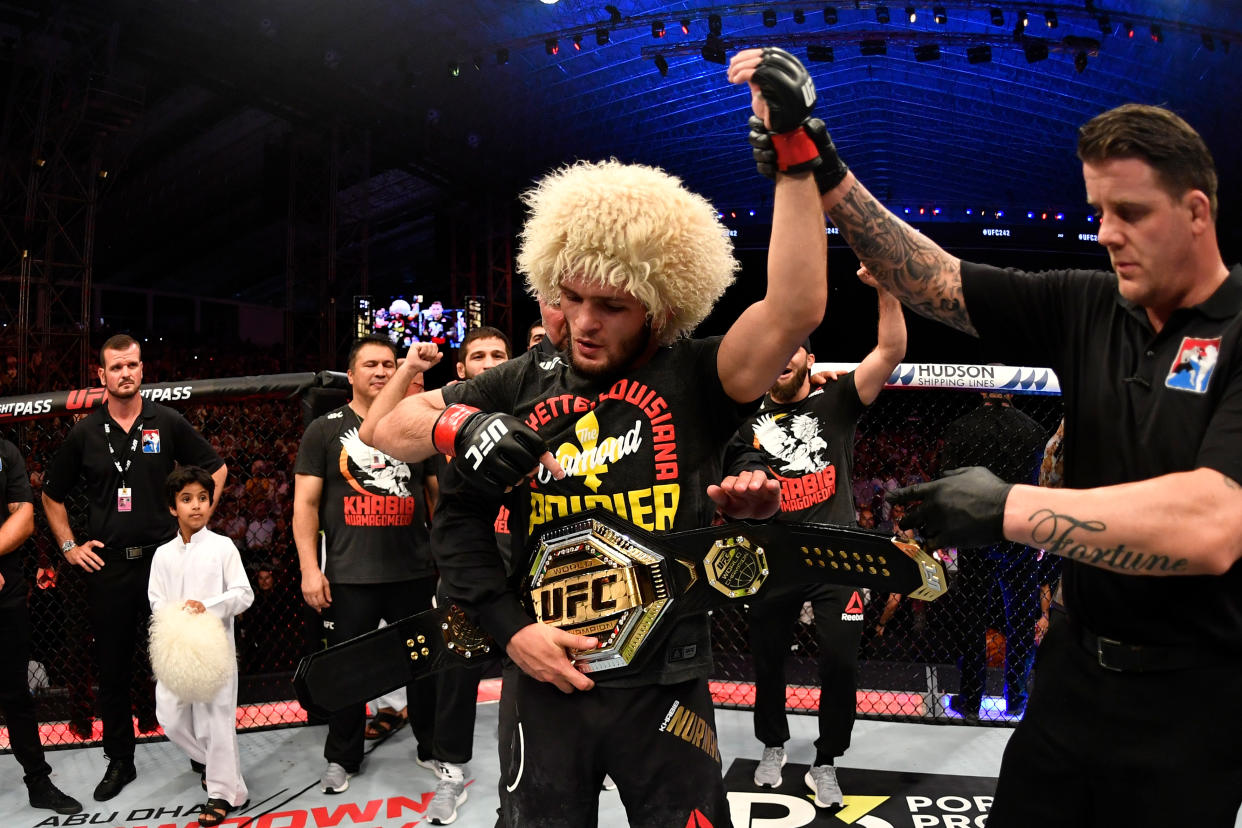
255 423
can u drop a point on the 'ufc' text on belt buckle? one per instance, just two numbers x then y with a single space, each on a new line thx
592 580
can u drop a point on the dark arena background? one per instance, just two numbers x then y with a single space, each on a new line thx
246 186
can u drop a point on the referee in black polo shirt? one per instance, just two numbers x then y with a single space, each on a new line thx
122 451
1133 719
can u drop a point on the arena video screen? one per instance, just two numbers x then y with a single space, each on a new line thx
408 319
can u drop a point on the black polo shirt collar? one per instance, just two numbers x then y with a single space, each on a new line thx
1224 303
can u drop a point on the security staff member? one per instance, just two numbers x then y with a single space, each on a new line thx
123 451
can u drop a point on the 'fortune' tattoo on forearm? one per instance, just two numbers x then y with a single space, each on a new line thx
1070 537
916 271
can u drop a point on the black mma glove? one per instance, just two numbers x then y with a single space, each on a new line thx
831 170
494 451
790 94
965 508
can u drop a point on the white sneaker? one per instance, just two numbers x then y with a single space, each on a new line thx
768 774
450 792
430 764
822 779
335 779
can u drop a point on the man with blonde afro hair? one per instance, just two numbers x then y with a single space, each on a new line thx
631 227
631 416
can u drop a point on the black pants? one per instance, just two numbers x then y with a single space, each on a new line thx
658 742
119 611
1098 747
357 609
457 702
771 632
1009 585
15 700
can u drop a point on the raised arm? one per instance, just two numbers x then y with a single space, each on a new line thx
920 273
758 345
890 344
394 423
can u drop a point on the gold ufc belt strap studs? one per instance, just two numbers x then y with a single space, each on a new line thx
597 575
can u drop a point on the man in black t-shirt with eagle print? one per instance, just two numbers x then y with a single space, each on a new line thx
806 435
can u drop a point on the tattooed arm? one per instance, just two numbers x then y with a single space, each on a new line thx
911 266
1186 523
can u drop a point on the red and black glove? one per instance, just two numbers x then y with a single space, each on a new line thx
831 170
789 92
494 451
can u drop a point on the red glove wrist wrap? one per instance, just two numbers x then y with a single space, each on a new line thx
444 432
794 148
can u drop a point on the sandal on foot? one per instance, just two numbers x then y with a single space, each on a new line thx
214 812
385 722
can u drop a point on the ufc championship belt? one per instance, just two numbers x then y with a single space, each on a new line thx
598 575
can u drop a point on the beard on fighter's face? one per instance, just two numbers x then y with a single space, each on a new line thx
786 388
618 359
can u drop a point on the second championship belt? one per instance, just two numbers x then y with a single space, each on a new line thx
598 575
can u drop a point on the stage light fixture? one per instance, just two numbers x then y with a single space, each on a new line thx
454 69
713 50
830 15
1050 19
1106 25
873 47
714 26
998 16
1157 34
769 18
926 52
1080 62
1035 49
657 28
881 14
940 15
799 16
979 54
685 26
1129 28
577 43
477 63
819 54
601 37
1208 42
661 65
912 14
614 14
1022 19
502 56
551 46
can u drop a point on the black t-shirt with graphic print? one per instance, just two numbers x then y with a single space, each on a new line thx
372 509
808 446
644 445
